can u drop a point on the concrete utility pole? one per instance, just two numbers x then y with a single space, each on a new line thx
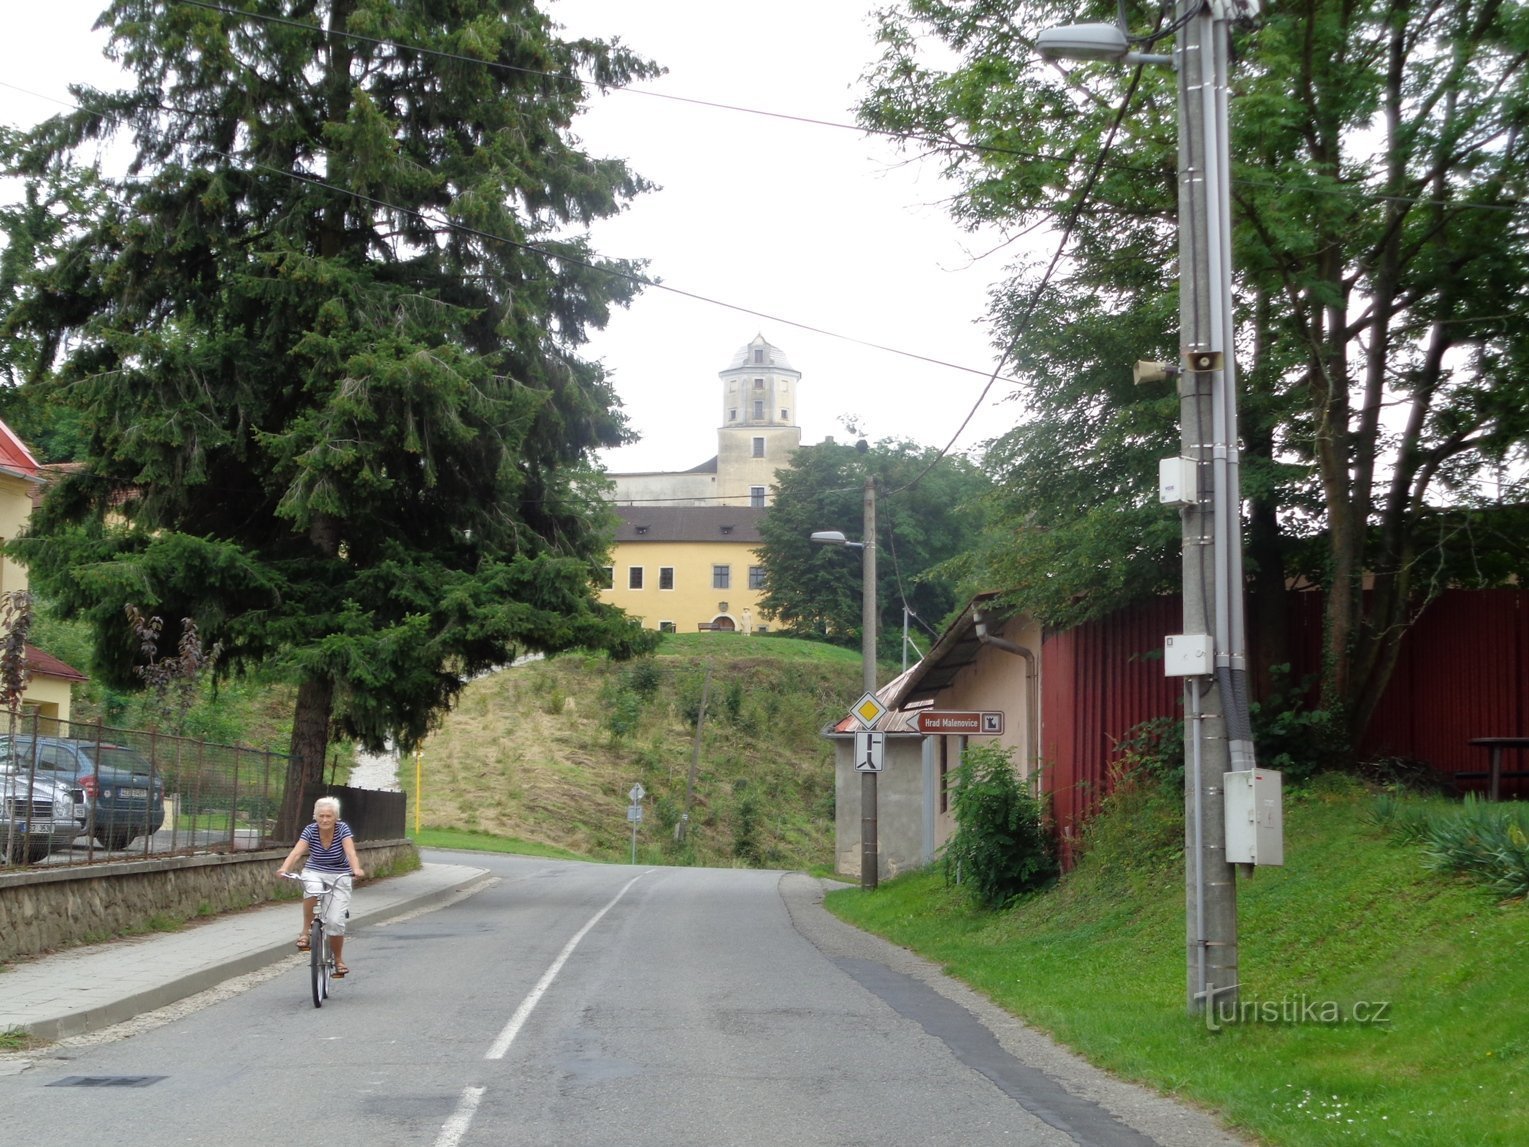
870 875
1212 658
1218 731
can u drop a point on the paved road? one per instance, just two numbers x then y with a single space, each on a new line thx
591 1004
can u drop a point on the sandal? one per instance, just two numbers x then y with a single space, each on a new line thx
340 971
302 944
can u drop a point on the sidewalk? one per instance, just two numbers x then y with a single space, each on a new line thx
86 989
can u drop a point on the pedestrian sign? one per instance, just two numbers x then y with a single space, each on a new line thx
868 710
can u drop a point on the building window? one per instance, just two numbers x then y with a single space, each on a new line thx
758 408
759 354
757 497
634 577
667 627
608 577
785 415
756 577
665 577
732 415
759 448
721 577
759 384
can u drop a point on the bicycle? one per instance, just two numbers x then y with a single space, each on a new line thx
321 960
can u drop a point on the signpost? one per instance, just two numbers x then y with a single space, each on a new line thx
971 722
634 813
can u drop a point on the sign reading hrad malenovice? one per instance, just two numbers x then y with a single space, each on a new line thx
971 722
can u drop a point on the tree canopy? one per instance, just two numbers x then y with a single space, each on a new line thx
927 512
323 339
1378 177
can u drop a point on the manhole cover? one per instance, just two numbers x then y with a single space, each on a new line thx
107 1080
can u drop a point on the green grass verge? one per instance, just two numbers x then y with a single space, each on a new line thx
486 842
1352 929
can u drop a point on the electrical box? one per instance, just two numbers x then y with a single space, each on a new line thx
1188 655
1255 817
1178 481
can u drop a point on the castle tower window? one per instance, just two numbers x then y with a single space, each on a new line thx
759 354
759 448
759 408
757 497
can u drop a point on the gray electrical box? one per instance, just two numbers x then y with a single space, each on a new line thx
1255 817
1189 655
1178 481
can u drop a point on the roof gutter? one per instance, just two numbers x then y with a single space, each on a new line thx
1032 686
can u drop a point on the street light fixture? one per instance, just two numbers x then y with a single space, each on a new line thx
1216 702
869 862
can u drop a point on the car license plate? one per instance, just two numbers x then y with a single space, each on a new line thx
134 794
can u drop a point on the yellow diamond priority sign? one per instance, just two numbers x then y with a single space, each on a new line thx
867 710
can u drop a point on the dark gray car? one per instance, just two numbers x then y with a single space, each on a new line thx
124 798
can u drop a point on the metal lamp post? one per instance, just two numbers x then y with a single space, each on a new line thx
1219 733
867 548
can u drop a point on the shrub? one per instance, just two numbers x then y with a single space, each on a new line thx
1485 841
1001 847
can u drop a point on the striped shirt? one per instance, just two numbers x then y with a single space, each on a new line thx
331 859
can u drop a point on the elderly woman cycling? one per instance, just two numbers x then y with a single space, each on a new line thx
330 847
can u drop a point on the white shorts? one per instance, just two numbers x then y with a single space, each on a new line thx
339 903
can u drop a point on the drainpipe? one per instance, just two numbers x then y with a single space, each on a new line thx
1032 707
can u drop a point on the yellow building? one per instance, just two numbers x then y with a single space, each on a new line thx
685 550
49 680
684 568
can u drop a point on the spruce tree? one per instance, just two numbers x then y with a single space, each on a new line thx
323 336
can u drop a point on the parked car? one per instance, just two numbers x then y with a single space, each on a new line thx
123 798
36 816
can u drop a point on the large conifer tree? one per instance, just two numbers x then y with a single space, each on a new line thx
324 338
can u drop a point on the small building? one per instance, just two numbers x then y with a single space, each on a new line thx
49 680
986 662
684 554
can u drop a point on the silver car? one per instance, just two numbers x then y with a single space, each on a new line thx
36 819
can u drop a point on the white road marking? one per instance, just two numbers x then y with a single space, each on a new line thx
461 1119
512 1029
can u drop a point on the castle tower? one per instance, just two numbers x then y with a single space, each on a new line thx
758 431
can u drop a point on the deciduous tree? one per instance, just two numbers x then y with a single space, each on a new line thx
927 512
1379 172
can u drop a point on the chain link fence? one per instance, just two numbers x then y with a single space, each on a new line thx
73 793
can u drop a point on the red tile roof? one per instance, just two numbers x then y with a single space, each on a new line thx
46 665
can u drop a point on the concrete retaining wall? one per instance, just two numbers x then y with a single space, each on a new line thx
43 909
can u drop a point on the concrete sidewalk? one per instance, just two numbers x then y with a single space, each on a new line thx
86 989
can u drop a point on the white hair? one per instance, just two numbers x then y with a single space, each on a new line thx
331 803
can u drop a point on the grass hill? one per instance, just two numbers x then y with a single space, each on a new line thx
1381 1002
547 752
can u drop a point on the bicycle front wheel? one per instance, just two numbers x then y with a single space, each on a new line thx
318 962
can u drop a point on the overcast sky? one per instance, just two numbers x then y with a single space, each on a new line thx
809 226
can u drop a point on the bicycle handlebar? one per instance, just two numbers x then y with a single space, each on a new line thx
328 882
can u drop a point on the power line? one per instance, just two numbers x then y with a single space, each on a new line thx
812 121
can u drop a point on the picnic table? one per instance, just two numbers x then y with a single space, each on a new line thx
1494 773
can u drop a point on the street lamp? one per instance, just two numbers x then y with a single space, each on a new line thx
1215 692
868 843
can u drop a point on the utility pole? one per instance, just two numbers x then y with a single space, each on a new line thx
1218 731
869 866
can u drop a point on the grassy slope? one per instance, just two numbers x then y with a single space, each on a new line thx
547 752
1100 963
